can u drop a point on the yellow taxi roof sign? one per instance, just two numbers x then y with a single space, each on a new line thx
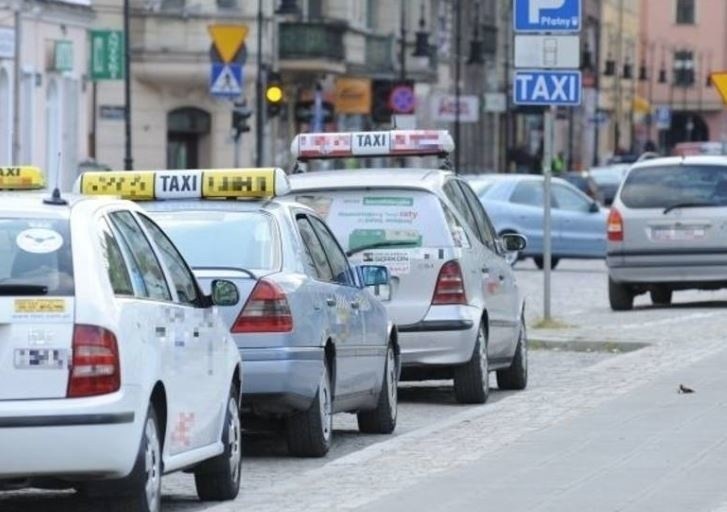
186 184
21 178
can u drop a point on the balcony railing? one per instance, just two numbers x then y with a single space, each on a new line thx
312 40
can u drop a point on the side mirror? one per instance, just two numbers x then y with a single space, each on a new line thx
376 278
513 242
224 293
594 208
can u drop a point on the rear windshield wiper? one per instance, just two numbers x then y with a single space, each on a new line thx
378 245
688 205
23 289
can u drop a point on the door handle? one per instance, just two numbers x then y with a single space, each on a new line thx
331 301
355 304
485 270
502 277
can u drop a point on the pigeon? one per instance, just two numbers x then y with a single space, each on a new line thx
684 389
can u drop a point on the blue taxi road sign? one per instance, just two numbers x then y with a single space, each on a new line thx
546 88
547 15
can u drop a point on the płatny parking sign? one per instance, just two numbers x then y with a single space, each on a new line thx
542 87
547 15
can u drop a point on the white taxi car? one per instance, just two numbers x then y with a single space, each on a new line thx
115 367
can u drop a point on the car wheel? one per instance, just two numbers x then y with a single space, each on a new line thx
516 377
472 379
142 490
661 296
620 296
540 262
218 479
382 420
309 432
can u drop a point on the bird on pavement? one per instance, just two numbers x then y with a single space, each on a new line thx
684 389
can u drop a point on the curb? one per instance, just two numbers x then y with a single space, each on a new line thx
586 346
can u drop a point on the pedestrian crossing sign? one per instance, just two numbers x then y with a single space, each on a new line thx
226 80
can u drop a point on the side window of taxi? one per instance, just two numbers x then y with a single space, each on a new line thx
314 249
342 273
143 256
485 231
183 279
454 194
114 261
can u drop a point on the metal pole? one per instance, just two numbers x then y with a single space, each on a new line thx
650 78
457 87
547 227
508 116
17 77
259 92
619 89
128 160
94 123
597 124
402 46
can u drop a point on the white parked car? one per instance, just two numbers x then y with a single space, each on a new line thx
115 366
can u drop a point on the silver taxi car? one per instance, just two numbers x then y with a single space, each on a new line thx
667 230
314 340
453 293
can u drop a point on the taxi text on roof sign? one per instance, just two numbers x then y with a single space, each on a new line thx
21 178
386 143
186 184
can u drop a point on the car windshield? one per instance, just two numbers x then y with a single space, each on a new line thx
662 187
608 175
35 257
217 239
381 217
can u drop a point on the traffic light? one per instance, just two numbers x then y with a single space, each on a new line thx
274 94
240 114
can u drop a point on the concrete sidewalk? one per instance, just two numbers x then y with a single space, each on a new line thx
652 449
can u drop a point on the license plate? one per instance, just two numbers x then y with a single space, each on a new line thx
40 358
673 234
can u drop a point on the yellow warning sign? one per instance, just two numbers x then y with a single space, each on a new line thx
40 306
719 79
228 39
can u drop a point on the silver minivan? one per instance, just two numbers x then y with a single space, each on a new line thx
453 294
667 230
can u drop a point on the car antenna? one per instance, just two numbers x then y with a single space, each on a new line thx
55 198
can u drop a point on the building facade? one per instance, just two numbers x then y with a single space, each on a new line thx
52 100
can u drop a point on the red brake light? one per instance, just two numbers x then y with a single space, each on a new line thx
267 310
615 226
450 285
95 368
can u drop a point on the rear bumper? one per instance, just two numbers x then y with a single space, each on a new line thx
69 438
446 336
650 269
281 379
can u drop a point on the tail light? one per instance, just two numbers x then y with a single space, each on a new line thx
95 368
450 285
615 226
267 310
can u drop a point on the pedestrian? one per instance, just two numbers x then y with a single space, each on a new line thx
557 165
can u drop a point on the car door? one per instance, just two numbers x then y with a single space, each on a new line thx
580 229
164 330
499 288
527 199
202 336
323 291
367 359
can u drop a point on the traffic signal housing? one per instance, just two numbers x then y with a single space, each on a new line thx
240 114
274 94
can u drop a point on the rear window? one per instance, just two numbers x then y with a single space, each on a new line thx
661 187
381 217
35 252
221 239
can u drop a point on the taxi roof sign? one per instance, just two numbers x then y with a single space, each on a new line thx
21 178
316 146
186 184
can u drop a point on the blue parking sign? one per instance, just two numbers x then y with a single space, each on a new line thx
547 15
547 88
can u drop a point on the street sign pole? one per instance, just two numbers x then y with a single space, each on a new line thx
128 159
548 150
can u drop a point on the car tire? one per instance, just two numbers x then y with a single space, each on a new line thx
382 420
472 379
516 377
218 479
620 296
661 296
309 432
141 490
540 262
